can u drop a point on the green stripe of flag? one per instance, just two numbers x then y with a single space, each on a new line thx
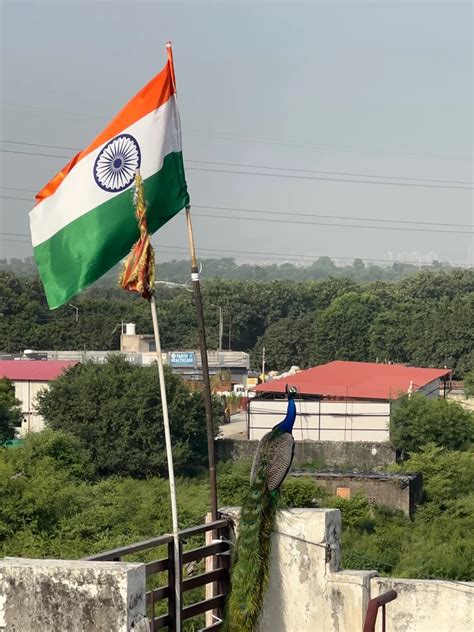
88 247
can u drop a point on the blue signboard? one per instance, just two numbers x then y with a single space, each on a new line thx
183 358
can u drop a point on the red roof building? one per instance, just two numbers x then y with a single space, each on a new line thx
356 380
29 377
33 370
341 401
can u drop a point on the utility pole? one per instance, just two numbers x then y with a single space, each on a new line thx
230 329
77 311
221 328
263 364
205 366
221 325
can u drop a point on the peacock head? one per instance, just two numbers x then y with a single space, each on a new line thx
291 391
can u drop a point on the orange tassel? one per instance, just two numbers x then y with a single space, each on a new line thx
138 273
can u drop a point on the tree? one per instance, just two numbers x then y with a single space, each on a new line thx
10 411
469 384
115 410
342 330
287 342
418 420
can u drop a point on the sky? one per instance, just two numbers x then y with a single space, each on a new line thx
292 90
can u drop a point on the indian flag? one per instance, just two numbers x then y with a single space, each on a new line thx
84 219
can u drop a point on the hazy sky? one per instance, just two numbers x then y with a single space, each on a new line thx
376 88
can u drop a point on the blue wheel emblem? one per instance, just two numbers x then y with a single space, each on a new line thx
115 166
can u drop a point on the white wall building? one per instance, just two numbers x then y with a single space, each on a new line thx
29 377
341 401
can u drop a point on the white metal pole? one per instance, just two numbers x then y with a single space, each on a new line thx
169 456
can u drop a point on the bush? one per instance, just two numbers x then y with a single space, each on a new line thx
114 409
418 420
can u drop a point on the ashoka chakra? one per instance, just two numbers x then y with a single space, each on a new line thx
116 165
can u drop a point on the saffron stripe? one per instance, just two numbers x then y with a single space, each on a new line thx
155 94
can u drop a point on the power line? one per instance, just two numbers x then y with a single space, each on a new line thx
30 153
292 213
17 142
20 199
271 168
280 255
323 179
18 189
297 214
370 227
300 222
333 173
268 140
276 175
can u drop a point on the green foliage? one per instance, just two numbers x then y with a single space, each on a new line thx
114 409
10 411
447 474
302 492
356 316
469 384
418 420
287 342
49 510
342 330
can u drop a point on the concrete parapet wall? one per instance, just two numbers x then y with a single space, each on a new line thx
360 454
309 592
72 596
427 605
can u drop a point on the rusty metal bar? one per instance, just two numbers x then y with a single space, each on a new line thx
116 554
172 582
204 578
213 627
162 622
373 607
203 606
158 566
202 528
157 594
223 562
152 609
219 576
204 551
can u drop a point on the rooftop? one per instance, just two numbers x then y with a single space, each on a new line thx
355 380
34 370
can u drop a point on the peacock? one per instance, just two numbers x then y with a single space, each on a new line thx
251 560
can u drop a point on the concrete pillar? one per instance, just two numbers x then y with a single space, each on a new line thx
308 591
71 596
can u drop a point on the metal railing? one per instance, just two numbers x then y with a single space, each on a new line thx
162 598
373 609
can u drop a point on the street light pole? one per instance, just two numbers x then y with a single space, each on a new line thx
77 311
221 325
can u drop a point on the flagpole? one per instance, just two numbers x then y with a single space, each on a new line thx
169 456
205 365
201 330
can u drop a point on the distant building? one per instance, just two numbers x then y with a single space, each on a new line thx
187 363
140 349
342 401
395 490
29 377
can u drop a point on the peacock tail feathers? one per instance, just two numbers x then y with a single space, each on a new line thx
251 561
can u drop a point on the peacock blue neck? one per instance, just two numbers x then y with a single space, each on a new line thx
287 424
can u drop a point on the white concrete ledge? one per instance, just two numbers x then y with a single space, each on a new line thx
72 596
